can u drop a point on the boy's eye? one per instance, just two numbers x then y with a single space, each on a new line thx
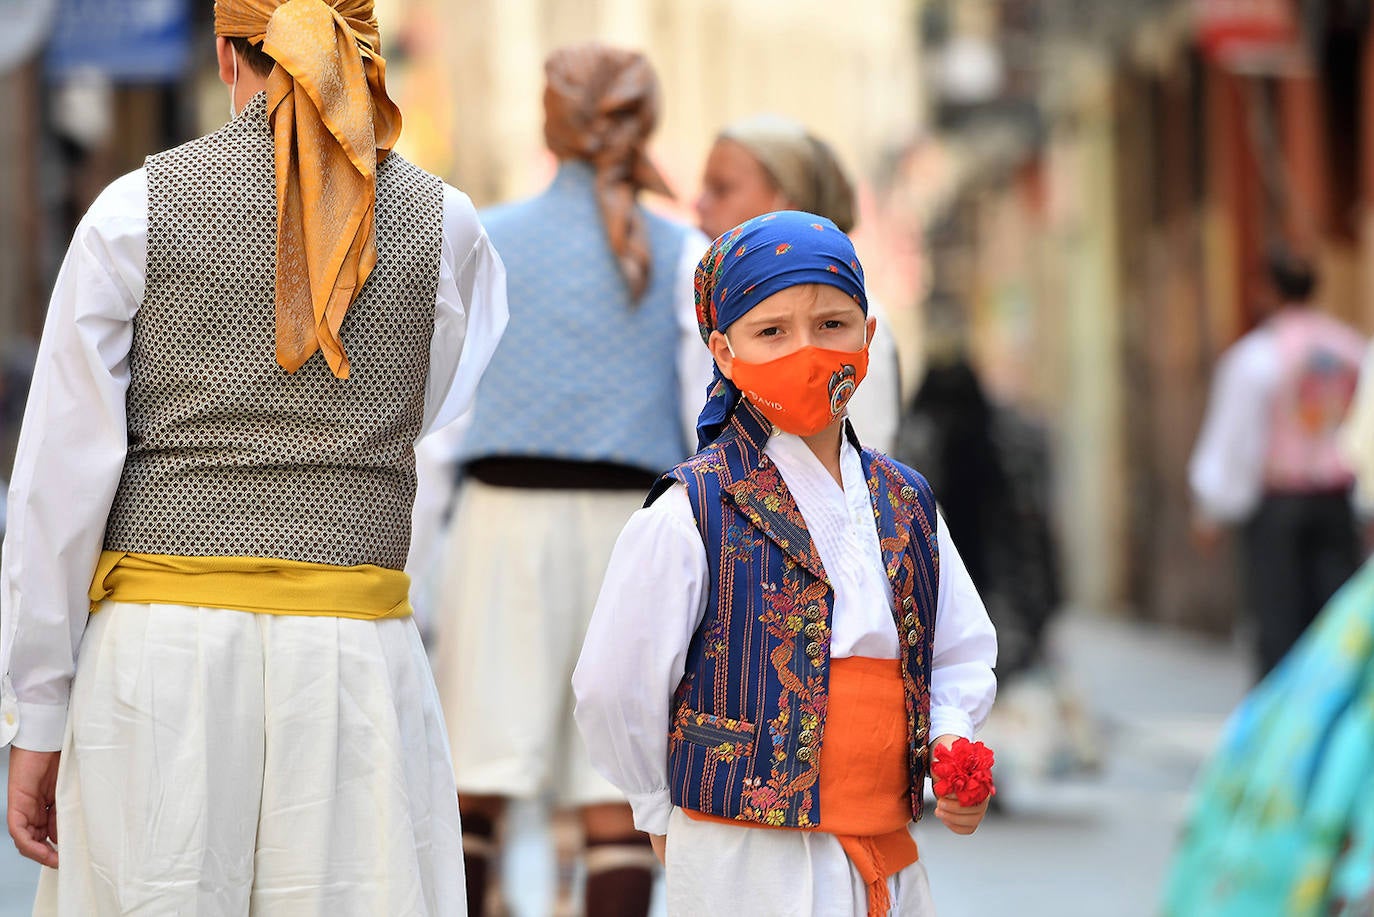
832 324
769 332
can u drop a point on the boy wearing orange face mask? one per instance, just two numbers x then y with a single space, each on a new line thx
785 630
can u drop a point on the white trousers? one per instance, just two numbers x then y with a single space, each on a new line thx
524 570
755 872
219 764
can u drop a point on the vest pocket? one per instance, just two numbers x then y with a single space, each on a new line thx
726 737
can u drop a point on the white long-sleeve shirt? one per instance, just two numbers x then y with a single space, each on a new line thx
1241 449
1226 471
654 598
74 438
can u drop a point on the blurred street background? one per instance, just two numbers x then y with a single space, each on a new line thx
1090 186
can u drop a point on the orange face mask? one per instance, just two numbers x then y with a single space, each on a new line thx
805 391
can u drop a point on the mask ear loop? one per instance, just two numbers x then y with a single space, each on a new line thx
234 89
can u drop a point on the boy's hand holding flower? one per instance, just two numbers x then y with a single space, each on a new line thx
961 775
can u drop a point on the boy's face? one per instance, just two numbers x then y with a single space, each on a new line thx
808 315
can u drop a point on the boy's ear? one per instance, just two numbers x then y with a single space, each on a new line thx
224 58
720 349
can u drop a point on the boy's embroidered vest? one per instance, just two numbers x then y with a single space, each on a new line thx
230 455
583 373
1320 365
749 719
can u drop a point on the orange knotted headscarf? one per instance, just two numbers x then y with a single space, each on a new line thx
332 122
601 105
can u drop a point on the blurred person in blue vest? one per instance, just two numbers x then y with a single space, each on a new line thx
1267 461
1282 823
590 397
766 163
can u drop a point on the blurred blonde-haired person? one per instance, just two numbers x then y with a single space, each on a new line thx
768 163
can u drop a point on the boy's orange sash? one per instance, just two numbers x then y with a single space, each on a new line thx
865 777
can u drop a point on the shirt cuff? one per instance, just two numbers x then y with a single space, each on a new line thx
41 727
950 721
9 711
651 810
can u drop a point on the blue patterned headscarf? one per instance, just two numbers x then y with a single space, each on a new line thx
750 263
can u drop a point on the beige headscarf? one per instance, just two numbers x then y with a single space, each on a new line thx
332 121
601 105
803 166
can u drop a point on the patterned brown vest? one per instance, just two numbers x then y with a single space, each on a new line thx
229 455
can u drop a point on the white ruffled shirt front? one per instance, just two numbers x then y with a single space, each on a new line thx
73 441
654 598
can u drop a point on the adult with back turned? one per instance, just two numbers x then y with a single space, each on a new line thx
217 463
583 407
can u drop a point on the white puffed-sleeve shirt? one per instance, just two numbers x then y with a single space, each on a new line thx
73 441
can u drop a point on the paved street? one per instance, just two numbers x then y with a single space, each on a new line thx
1099 847
1087 846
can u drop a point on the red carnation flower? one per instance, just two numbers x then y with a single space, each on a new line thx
964 770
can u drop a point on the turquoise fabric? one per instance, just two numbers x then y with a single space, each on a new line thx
1282 822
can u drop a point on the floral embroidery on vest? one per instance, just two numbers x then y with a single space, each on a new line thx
749 715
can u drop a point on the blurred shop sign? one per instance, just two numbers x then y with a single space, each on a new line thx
27 23
132 41
1253 36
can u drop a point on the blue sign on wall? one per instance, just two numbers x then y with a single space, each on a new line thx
132 41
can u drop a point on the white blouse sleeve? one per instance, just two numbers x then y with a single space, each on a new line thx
1226 471
470 313
695 365
69 461
962 683
876 407
652 601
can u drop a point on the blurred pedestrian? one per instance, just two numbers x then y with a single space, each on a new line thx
1267 462
247 337
990 466
770 163
1283 817
584 405
786 631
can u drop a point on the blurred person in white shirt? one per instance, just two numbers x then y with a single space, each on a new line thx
1268 463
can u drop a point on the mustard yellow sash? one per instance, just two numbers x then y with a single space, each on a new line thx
261 585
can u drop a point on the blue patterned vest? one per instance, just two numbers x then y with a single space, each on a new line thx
749 715
583 373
